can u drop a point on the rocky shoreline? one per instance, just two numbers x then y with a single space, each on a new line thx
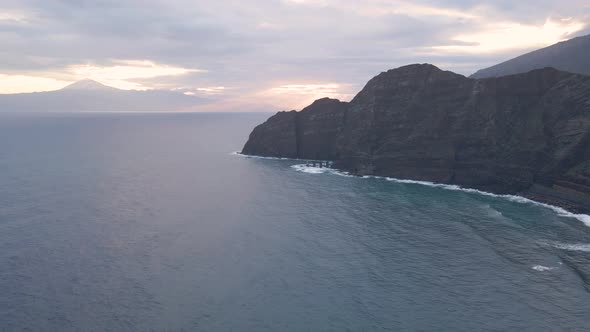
526 134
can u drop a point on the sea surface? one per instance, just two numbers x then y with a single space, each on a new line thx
149 222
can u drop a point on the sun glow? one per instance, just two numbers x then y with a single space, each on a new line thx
514 36
123 72
300 95
14 17
121 75
211 89
24 83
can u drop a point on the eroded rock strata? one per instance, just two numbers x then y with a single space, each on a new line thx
525 134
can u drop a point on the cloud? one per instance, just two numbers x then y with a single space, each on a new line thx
300 95
510 35
23 84
122 74
12 17
267 49
212 89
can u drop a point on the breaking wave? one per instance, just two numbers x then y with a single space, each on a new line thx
571 246
518 199
318 170
542 268
584 218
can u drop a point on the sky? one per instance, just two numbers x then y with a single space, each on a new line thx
265 55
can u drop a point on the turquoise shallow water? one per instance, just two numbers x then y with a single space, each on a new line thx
118 222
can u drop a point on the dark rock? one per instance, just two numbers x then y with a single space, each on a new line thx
309 134
525 134
276 137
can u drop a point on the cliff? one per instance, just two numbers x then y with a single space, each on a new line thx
310 134
525 134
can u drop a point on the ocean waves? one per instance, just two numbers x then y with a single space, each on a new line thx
583 247
514 198
319 170
542 268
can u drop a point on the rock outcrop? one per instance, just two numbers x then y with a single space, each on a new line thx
312 133
525 134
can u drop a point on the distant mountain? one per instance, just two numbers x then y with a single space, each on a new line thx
91 96
572 56
88 85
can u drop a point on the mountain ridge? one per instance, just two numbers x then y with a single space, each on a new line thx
92 96
87 84
569 55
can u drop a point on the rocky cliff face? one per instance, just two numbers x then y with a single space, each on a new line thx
310 134
527 133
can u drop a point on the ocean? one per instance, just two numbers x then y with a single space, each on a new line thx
151 222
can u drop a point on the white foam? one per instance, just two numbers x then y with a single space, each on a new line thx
584 218
572 246
518 199
542 268
310 169
318 170
493 212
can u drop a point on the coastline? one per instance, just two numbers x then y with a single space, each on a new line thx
561 211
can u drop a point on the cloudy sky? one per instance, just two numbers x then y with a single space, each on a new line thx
266 54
